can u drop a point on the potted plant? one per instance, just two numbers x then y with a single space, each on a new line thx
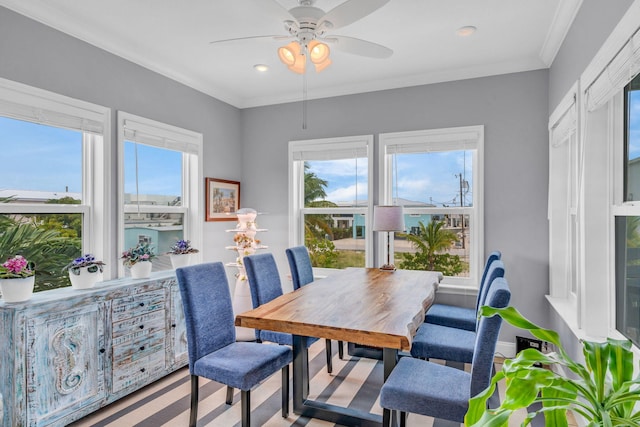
85 272
17 278
180 253
138 260
603 390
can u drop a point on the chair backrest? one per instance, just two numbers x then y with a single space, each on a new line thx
496 269
263 277
208 310
300 265
487 337
493 256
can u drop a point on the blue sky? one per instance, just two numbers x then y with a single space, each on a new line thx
424 177
45 158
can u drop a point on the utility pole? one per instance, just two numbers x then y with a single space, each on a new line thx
464 187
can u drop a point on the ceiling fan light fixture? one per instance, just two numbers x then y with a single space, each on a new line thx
318 52
324 64
466 31
288 53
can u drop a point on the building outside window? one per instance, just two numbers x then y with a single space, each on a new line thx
162 177
51 187
436 176
329 200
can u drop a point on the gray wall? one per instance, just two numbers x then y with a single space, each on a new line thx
37 55
512 107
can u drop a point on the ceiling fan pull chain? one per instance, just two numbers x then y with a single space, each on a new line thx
304 101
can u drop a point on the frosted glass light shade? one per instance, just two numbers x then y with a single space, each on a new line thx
388 218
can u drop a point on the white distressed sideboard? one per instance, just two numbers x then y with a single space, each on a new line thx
66 353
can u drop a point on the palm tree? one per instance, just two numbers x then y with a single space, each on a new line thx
319 225
432 239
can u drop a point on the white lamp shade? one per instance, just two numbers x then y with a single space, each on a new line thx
388 218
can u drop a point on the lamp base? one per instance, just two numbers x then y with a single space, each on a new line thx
388 267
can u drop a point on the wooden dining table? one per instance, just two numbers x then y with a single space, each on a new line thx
365 306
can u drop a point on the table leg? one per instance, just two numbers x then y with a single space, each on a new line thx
321 410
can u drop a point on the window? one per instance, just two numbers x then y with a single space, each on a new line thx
563 197
627 227
436 175
51 183
330 200
161 172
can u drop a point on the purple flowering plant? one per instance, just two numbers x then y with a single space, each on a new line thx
87 260
17 268
142 252
182 247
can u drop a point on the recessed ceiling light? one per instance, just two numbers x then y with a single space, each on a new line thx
466 31
261 67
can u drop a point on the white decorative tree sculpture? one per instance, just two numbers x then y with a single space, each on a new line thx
245 244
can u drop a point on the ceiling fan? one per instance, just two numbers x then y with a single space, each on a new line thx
309 29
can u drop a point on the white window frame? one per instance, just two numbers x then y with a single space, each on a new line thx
162 135
22 102
327 146
431 140
564 147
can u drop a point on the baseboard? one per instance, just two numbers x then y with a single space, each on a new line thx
506 349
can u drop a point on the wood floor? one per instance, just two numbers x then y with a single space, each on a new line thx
355 382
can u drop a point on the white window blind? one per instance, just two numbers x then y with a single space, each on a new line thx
622 68
336 149
162 136
433 140
34 105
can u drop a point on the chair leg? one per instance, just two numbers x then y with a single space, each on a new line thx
329 356
403 419
386 417
193 417
245 403
307 385
229 399
285 391
340 350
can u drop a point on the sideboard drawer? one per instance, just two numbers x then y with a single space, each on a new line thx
138 326
137 305
138 349
137 372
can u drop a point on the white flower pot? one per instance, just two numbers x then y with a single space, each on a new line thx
141 270
180 260
85 280
17 290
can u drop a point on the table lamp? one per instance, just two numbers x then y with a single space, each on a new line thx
388 218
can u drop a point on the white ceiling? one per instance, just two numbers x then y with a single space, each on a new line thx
173 37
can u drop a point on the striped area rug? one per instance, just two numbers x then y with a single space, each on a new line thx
355 382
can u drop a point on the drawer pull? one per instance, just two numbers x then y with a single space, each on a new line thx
142 348
142 370
141 304
173 325
102 350
141 326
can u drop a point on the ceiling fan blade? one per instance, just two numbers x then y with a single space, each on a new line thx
350 11
237 39
359 47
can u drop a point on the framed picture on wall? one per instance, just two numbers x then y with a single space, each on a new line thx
222 199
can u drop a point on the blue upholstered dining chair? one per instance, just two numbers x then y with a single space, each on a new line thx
302 274
461 317
265 285
427 388
452 344
211 338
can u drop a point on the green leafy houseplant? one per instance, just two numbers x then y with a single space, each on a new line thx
603 390
141 253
